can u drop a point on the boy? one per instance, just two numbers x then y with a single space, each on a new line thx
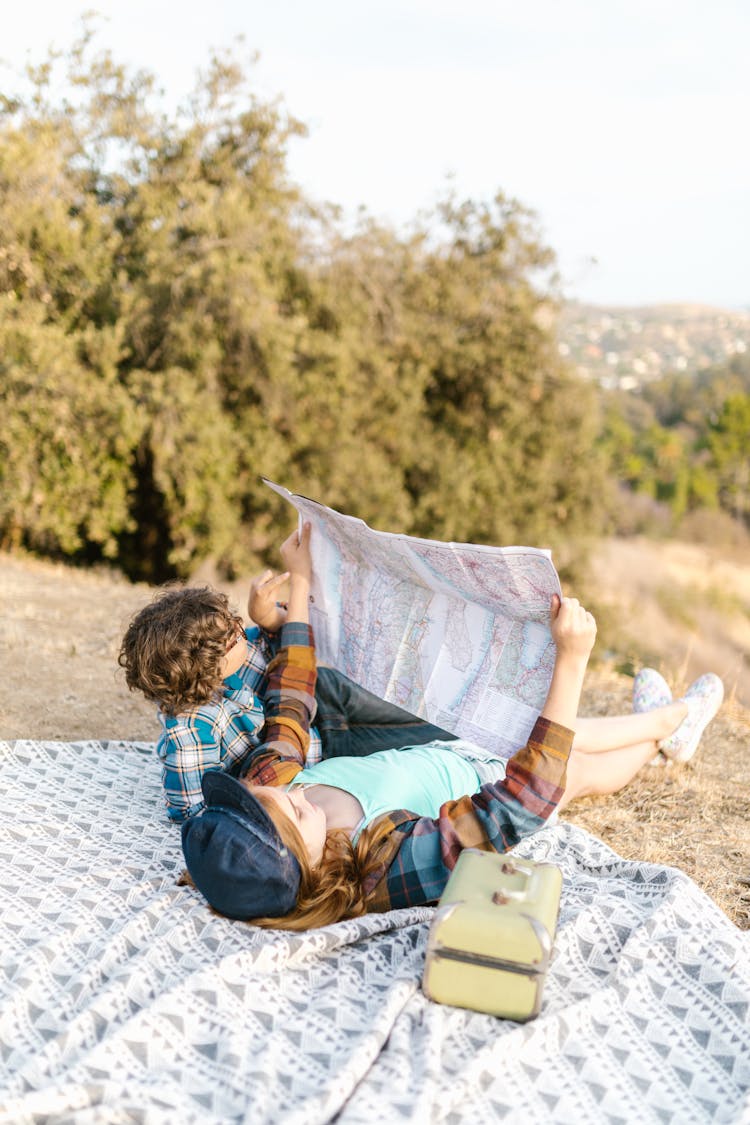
189 652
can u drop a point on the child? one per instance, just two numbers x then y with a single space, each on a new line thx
188 652
295 847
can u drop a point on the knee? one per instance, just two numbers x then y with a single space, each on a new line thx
331 694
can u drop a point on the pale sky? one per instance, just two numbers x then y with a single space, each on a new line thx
622 123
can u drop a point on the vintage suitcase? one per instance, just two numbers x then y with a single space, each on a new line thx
491 936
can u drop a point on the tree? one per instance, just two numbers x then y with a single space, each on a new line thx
728 442
509 454
67 432
178 321
68 423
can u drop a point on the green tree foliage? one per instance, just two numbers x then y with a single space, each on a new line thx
652 460
65 441
728 443
176 321
508 452
684 440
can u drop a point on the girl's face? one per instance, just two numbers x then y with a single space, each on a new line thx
309 819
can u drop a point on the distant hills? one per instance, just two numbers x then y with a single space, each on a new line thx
626 347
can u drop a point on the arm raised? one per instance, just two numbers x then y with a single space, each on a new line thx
574 632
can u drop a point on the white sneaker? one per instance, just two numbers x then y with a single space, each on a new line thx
703 699
650 690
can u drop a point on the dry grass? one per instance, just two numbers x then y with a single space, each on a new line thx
695 816
60 629
683 607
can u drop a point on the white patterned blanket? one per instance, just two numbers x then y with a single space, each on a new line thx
124 1000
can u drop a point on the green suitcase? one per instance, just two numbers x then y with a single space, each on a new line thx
491 937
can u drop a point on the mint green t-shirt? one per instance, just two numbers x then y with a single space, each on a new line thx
417 778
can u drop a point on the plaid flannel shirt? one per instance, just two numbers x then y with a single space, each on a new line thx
218 734
417 853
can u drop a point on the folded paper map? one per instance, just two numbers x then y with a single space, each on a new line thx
456 633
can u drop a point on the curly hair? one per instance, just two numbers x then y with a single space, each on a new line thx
335 888
174 648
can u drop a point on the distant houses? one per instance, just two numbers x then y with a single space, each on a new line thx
626 347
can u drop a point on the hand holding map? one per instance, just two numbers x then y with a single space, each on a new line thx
455 633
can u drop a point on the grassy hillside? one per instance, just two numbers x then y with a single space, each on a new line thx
682 607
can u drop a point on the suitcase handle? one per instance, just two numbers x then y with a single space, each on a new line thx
514 867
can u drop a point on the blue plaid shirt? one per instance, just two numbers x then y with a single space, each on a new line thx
217 734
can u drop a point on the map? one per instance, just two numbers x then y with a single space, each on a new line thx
455 633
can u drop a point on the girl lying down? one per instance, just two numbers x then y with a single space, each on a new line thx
291 847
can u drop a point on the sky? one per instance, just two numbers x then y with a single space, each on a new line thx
621 124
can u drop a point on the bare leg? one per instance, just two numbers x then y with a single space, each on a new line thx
604 772
614 732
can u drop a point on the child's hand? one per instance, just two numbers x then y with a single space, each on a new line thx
296 556
262 605
573 627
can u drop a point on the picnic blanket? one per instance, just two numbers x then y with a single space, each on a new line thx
124 999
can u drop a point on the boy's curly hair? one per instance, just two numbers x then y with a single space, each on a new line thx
174 648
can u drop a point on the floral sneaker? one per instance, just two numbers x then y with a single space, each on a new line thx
650 690
703 699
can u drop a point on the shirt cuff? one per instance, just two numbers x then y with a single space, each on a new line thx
296 633
552 734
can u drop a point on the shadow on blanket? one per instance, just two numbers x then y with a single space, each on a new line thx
125 999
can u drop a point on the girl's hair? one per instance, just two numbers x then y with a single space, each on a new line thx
174 648
332 890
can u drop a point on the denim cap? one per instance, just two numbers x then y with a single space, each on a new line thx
235 855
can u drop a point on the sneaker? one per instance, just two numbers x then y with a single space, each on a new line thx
703 699
650 690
